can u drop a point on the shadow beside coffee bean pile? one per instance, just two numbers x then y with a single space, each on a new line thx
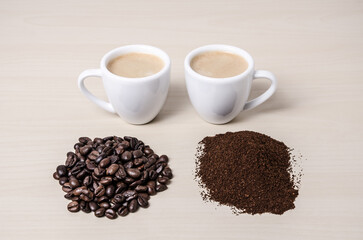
112 176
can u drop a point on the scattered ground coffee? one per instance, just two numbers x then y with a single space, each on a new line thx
248 171
112 175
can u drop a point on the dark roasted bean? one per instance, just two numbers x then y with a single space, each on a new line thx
164 158
62 171
111 170
93 155
136 183
85 207
143 202
133 205
162 180
141 188
148 151
87 181
110 191
144 195
98 140
55 176
68 195
121 173
67 187
90 165
71 160
152 175
126 156
82 174
100 157
161 187
100 212
99 171
129 180
129 164
93 206
73 206
119 198
129 195
78 190
100 191
133 172
106 180
73 182
123 211
150 162
137 153
84 140
104 204
110 213
114 159
85 150
102 199
138 161
159 169
167 173
77 146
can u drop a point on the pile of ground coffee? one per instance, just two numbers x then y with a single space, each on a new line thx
112 176
248 171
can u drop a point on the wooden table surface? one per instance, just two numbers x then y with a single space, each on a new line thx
315 48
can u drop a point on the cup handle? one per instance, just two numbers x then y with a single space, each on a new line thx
266 95
93 73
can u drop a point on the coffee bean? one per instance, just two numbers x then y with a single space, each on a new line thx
121 173
106 151
111 170
85 150
136 183
98 140
163 158
110 191
150 162
84 140
93 206
105 205
137 153
55 176
111 214
100 212
138 161
143 202
102 199
152 175
62 171
82 174
133 205
151 190
68 195
86 195
129 180
114 159
145 175
85 207
87 181
78 190
163 180
141 188
126 156
144 195
133 172
129 164
129 194
148 151
133 142
73 206
77 146
123 211
67 187
71 160
119 198
100 191
93 155
161 187
99 172
159 169
90 165
167 173
106 180
119 150
73 182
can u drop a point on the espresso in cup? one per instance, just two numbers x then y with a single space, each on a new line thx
135 65
218 64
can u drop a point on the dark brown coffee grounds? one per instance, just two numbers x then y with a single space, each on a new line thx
248 171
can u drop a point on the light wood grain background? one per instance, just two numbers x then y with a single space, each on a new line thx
315 48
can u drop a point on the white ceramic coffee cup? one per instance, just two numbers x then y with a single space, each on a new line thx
136 100
219 100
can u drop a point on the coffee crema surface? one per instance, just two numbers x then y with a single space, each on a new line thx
218 64
135 65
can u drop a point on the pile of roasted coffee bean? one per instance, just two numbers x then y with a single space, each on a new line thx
112 176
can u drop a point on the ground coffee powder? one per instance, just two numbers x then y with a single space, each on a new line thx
248 171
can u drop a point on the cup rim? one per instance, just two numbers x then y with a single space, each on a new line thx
219 47
136 48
